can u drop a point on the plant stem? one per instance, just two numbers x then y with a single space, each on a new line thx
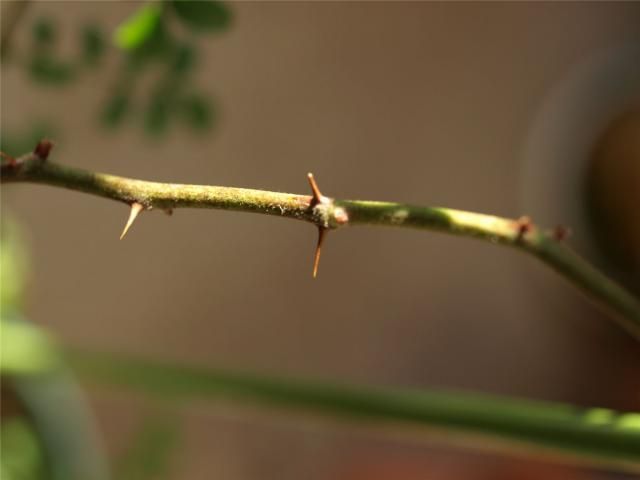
328 213
593 436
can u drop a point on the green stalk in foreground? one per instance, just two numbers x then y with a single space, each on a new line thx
591 436
327 213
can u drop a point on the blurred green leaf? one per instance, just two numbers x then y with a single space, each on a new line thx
184 59
46 69
197 111
139 27
14 265
158 45
157 115
21 456
149 456
93 44
202 15
115 110
44 32
25 349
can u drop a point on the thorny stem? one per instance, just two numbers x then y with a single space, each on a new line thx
327 213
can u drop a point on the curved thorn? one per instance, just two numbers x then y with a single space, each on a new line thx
317 194
316 259
136 208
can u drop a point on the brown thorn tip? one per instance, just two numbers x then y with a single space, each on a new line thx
43 148
322 232
317 194
136 208
524 225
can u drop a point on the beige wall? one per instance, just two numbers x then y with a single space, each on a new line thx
419 102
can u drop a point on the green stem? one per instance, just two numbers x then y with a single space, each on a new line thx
331 213
594 436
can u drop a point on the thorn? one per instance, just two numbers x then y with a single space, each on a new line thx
317 194
322 232
168 211
524 226
136 208
43 149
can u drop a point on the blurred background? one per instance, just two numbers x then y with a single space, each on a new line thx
507 109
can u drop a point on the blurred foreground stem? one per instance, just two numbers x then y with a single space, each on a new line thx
592 436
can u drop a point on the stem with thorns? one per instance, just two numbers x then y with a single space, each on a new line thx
328 214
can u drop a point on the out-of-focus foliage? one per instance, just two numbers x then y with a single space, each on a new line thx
150 454
47 69
21 456
17 143
202 15
43 396
116 108
147 40
44 32
44 66
148 45
25 348
157 114
14 265
197 111
137 29
93 44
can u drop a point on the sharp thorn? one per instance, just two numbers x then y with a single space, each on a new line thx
322 232
136 208
317 194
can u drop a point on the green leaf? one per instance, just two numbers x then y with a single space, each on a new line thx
46 69
14 265
158 45
25 349
115 110
150 454
138 28
21 455
198 112
202 15
93 44
43 32
184 59
157 115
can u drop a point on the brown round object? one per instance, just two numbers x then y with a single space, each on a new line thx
614 191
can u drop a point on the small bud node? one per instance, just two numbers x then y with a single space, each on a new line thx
43 148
